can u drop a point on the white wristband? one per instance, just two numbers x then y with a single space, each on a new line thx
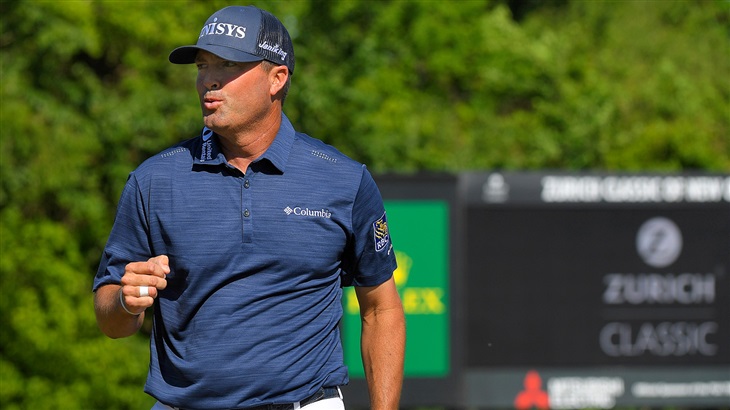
121 302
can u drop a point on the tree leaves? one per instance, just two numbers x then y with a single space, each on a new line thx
87 94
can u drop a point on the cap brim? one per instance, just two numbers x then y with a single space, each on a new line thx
187 54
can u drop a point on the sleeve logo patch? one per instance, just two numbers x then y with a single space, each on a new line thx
380 233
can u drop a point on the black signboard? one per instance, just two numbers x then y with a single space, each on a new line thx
581 273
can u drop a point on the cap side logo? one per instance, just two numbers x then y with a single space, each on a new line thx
276 49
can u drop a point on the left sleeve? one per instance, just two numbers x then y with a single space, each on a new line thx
128 240
369 258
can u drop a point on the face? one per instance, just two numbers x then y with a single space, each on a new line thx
233 96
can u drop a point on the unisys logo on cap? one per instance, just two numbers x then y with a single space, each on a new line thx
242 34
224 29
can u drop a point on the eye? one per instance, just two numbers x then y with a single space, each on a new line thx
229 63
201 66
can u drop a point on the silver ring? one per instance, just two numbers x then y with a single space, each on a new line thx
144 291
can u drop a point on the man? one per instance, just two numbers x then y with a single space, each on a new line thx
242 237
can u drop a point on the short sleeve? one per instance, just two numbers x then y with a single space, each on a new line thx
129 238
369 259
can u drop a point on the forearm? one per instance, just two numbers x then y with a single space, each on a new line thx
383 350
113 320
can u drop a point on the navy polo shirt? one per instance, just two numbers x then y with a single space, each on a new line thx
251 311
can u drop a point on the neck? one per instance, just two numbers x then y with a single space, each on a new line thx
242 147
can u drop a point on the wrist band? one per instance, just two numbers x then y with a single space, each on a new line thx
121 302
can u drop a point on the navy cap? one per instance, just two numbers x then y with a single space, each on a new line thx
241 34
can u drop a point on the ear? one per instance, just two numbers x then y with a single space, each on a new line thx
278 77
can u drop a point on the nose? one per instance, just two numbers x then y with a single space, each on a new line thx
209 80
213 84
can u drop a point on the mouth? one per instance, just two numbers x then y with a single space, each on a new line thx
211 103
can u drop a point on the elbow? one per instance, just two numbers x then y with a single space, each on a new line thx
116 332
111 332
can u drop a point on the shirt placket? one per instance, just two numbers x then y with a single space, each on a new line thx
246 207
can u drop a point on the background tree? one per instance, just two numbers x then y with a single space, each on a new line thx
404 86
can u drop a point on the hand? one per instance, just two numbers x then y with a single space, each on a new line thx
143 277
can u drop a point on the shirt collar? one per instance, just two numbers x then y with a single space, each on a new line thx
278 151
208 151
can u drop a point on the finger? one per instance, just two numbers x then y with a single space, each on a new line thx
146 268
152 282
134 302
134 280
135 295
148 291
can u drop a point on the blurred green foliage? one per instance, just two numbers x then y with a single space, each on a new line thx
404 86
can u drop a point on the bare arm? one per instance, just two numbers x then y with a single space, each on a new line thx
383 343
111 316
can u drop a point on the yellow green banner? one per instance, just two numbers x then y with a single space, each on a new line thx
420 234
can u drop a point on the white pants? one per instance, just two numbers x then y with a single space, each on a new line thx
335 403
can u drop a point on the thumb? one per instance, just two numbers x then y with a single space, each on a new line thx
163 261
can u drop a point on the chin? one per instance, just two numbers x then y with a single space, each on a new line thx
210 122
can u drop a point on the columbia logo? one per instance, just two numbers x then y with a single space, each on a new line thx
316 213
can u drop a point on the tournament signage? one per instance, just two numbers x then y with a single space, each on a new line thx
594 290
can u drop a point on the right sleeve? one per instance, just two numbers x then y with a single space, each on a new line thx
129 239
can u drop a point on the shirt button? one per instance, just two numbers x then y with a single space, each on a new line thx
246 184
246 213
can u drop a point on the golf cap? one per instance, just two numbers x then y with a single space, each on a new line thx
241 34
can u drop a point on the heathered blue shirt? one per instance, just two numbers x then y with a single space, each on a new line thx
251 311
